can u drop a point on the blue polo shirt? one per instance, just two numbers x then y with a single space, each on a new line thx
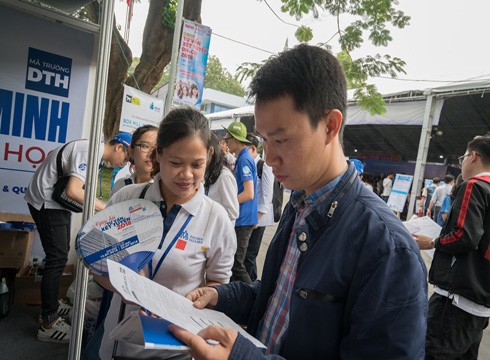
245 169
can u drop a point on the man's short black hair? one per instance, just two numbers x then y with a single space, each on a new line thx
312 76
448 178
481 145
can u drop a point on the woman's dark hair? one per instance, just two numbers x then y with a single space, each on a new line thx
181 123
215 166
138 133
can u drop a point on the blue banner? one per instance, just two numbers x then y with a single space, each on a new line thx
193 58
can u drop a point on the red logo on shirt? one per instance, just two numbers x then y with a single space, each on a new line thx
181 244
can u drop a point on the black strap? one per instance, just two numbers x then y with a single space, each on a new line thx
260 168
59 167
145 189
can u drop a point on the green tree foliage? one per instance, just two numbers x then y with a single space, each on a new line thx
368 20
218 78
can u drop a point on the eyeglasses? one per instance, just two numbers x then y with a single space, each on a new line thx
144 147
461 158
227 138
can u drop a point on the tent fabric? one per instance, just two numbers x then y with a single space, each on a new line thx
397 113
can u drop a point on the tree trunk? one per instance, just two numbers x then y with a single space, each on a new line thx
156 54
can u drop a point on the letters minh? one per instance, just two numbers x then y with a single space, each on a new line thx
47 118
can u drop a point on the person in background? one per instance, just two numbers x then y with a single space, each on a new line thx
446 204
143 141
265 183
230 158
438 197
219 182
182 152
53 222
427 193
459 308
387 186
246 178
343 278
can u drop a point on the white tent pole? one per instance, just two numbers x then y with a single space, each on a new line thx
173 59
93 167
424 142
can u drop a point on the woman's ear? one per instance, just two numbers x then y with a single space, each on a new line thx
210 154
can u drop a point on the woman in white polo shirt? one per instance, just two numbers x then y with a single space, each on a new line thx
204 252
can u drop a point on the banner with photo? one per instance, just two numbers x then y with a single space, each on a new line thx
399 192
193 58
43 92
138 109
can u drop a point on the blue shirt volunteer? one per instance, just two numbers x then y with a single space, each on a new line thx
245 169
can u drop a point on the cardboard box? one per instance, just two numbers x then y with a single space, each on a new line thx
15 244
28 288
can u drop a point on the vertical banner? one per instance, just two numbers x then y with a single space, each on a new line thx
44 74
138 109
399 192
193 58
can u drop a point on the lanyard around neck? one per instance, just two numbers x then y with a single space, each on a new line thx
169 247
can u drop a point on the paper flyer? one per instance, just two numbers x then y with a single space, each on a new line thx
127 232
167 304
424 226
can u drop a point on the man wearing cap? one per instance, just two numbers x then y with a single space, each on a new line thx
53 221
246 178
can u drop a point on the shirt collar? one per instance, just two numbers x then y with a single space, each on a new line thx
191 206
299 199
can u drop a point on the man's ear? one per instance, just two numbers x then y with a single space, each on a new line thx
333 123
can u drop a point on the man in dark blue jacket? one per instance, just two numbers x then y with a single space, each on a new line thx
343 278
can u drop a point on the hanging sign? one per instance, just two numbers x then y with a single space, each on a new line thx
193 58
138 109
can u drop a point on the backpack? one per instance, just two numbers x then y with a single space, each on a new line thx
277 192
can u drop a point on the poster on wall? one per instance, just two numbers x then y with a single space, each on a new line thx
399 192
191 67
44 75
138 109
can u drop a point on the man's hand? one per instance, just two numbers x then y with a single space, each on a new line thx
200 349
428 212
204 297
424 242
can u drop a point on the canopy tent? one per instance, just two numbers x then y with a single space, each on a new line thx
432 125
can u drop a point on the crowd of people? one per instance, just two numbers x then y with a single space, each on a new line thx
342 278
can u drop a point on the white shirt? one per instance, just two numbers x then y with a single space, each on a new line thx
224 191
74 161
440 194
208 255
119 184
387 185
265 189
